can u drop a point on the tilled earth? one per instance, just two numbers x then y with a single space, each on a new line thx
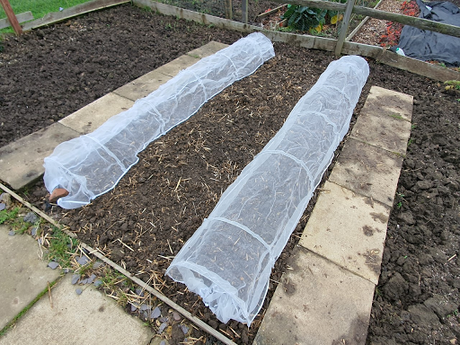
49 73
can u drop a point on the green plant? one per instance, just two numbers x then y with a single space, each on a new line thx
6 216
396 116
410 142
304 18
452 84
61 247
17 224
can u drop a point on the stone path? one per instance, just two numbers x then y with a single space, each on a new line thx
325 297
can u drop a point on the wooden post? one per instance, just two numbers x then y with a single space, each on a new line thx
344 27
245 9
11 17
228 9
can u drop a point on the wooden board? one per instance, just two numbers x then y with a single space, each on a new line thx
55 17
11 16
21 17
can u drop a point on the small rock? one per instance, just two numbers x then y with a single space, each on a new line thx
78 291
162 327
176 316
2 206
91 278
5 198
53 265
75 279
83 260
163 342
34 230
11 233
97 264
156 313
84 281
98 283
134 307
145 307
164 319
184 328
30 218
140 292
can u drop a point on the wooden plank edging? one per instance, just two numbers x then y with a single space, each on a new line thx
67 13
21 17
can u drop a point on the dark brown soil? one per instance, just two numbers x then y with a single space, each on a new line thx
158 205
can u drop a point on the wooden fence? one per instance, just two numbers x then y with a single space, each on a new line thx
349 7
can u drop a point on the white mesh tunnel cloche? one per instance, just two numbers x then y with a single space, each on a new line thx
92 164
229 259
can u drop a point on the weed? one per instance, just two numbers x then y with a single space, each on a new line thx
410 142
452 84
400 202
16 223
396 116
146 9
6 216
61 247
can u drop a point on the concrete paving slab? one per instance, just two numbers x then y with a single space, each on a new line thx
21 162
23 275
142 86
368 170
207 50
89 318
174 67
354 237
384 120
90 117
317 303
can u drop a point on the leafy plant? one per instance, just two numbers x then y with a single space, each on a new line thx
303 17
6 215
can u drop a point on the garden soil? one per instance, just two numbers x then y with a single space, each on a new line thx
141 224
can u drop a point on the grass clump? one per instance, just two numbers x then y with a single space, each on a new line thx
61 247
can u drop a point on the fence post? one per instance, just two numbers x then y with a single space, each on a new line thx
11 16
228 9
245 10
344 27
